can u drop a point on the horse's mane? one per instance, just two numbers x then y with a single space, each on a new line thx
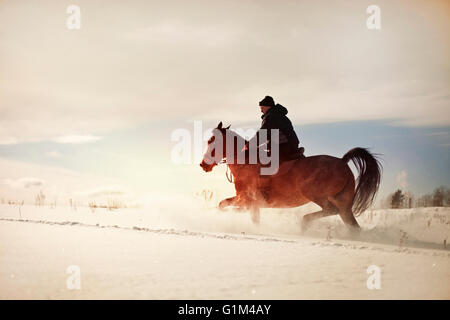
233 134
240 141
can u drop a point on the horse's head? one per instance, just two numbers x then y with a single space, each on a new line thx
216 150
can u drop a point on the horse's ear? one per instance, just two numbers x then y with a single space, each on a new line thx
219 126
228 127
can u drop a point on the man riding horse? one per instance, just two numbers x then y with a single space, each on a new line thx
326 180
274 117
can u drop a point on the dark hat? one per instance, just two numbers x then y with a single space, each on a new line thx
267 102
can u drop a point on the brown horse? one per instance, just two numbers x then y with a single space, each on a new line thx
325 180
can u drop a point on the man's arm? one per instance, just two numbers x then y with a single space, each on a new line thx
256 138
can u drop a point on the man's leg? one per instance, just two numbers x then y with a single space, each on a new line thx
263 186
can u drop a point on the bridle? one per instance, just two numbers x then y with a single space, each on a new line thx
228 173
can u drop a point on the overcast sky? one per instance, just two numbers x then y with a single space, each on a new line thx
154 64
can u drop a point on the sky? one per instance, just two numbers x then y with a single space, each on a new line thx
91 111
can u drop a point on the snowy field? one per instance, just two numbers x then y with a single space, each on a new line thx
187 249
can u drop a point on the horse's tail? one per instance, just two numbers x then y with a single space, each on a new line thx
369 177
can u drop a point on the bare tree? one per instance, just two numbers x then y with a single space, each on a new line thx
438 198
397 199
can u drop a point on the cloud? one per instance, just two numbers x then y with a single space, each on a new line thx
76 139
105 191
8 141
146 62
53 154
16 177
178 33
439 133
402 180
441 138
26 182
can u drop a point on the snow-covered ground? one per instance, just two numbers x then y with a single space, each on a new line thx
186 249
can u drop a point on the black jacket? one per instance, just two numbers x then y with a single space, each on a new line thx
275 118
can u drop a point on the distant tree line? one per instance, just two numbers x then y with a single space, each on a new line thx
440 197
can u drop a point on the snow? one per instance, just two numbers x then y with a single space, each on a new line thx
186 249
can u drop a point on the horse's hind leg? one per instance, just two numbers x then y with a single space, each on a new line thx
328 209
344 201
349 219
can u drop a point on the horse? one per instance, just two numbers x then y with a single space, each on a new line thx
322 179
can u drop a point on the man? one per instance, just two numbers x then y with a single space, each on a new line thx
274 117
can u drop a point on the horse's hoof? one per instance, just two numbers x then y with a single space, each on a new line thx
304 226
222 205
255 219
254 214
355 230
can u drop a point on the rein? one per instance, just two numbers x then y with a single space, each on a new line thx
229 178
229 174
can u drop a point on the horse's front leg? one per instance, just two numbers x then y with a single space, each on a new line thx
227 202
248 203
254 214
253 207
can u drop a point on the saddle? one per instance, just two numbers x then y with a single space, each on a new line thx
264 183
286 165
